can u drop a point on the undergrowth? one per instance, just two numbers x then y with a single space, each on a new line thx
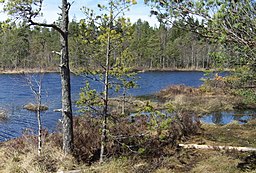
138 139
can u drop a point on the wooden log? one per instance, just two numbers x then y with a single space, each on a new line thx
210 147
73 171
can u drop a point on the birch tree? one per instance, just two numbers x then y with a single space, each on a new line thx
35 86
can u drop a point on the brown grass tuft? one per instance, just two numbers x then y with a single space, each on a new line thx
33 107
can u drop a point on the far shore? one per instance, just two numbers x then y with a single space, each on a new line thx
139 70
178 70
27 71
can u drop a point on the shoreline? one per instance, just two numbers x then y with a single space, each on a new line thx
178 70
138 70
28 71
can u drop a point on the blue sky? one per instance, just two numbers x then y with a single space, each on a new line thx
51 10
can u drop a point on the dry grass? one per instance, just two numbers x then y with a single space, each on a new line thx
114 165
28 70
21 157
217 163
232 134
198 100
202 104
127 140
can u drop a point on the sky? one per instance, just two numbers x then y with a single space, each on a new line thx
50 11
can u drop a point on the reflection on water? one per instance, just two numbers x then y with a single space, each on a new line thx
222 118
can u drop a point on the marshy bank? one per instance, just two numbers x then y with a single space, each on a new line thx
218 97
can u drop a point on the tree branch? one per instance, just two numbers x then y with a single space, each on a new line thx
47 25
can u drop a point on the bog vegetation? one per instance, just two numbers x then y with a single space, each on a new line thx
131 134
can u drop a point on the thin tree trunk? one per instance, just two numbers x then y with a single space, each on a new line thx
39 102
65 83
106 88
203 64
163 66
37 91
123 102
208 57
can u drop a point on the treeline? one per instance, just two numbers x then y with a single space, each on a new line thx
144 46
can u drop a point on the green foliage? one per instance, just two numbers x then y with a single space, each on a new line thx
24 9
228 23
141 150
248 95
158 121
137 46
107 37
90 99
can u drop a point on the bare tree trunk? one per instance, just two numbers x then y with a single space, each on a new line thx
151 63
123 102
203 64
65 83
36 88
208 57
39 102
163 66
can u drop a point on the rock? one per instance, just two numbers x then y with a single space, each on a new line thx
33 107
3 115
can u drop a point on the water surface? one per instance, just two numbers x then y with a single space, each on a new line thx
15 93
222 118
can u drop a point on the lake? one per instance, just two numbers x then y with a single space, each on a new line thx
15 93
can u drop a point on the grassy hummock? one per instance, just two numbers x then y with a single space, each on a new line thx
34 107
3 115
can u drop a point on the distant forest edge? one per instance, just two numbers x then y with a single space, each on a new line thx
144 48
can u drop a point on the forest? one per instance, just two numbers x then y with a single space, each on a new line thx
158 132
148 47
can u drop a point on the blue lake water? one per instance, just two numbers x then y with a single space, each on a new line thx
222 118
15 93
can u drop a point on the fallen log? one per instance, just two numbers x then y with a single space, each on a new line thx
210 147
73 171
